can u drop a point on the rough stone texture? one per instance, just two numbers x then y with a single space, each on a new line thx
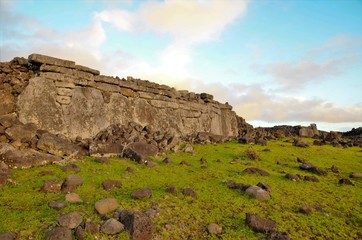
57 205
259 224
8 236
4 174
109 184
140 152
71 183
112 226
311 168
70 220
258 193
356 175
91 227
139 225
52 186
171 189
71 168
73 198
214 228
80 234
59 233
142 193
345 181
106 205
256 171
189 192
58 146
21 132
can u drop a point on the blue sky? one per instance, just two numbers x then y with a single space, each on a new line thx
276 61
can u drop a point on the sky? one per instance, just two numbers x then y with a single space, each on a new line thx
277 62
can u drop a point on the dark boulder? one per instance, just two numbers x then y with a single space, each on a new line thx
139 225
52 186
59 233
189 192
71 183
109 184
70 220
345 181
140 151
259 224
256 171
142 193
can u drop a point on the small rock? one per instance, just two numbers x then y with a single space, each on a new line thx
345 181
4 174
256 171
167 161
57 205
59 233
264 186
292 177
70 220
219 160
214 228
46 173
204 166
276 235
258 193
311 178
129 170
142 193
52 186
259 224
306 210
106 205
185 163
112 226
109 184
188 149
139 225
71 168
150 164
80 234
91 227
104 160
171 189
334 169
73 198
189 192
356 175
71 183
203 161
8 236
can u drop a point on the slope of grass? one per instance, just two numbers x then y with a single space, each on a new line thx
23 208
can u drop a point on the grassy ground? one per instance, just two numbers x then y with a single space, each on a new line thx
23 208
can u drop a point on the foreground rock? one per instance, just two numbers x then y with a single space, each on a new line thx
112 227
259 224
59 233
52 186
59 146
140 152
312 168
214 228
4 174
356 175
109 184
142 193
139 225
70 220
256 171
106 205
8 236
258 193
71 183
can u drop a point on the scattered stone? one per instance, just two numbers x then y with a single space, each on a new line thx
104 160
46 173
150 164
4 174
276 235
71 183
256 171
106 205
91 227
188 149
356 175
264 186
57 205
73 198
294 177
139 225
59 233
204 166
252 154
259 224
59 146
21 132
80 234
306 209
345 181
8 236
334 169
109 184
214 228
140 151
130 170
301 160
258 193
171 189
300 143
189 192
52 186
233 185
167 161
112 226
203 161
185 163
142 193
71 168
311 178
311 168
70 220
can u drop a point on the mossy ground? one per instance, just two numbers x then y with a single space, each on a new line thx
23 208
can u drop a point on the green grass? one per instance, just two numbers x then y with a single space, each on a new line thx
23 208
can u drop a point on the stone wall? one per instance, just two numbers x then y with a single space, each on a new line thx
64 98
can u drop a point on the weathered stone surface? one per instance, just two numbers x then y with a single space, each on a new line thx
52 186
311 168
87 69
70 220
57 205
112 226
59 233
7 103
21 132
139 151
109 184
139 225
258 193
106 205
58 146
142 193
214 228
4 174
345 181
256 171
92 227
259 224
71 183
80 233
38 58
71 168
356 175
73 198
25 158
305 209
8 236
189 192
